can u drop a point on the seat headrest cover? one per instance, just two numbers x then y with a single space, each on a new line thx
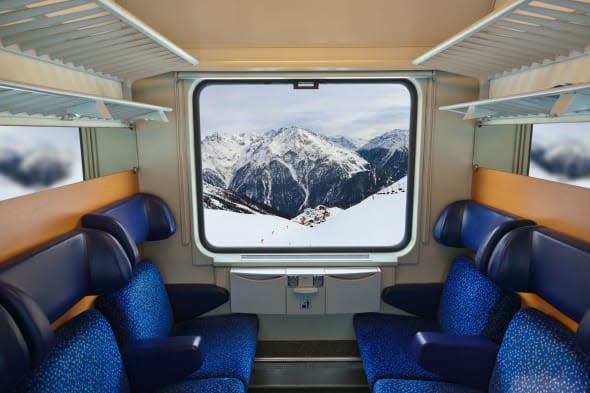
59 273
143 217
14 353
476 227
554 266
30 319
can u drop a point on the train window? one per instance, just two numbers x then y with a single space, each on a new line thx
304 166
36 158
561 152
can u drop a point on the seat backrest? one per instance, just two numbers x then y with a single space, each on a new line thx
84 358
538 353
132 221
471 304
37 287
478 228
141 309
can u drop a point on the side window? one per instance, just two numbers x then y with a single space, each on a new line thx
561 153
36 158
304 166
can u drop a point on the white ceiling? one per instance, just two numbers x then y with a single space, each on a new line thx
242 34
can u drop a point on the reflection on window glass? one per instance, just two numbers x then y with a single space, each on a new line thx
561 153
35 158
285 168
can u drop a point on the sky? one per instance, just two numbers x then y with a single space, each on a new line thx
553 133
352 110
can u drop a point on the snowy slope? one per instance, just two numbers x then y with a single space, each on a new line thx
379 220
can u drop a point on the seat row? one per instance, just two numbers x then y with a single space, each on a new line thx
470 333
142 335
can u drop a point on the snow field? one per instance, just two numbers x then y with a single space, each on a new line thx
377 221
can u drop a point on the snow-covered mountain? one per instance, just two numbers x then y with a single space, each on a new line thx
292 168
288 169
342 141
217 198
569 159
221 153
389 153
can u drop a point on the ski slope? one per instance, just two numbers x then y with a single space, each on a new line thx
377 221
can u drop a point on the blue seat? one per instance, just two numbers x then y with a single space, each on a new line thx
147 308
468 303
82 355
538 353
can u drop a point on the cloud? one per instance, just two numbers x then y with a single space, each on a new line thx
38 156
354 110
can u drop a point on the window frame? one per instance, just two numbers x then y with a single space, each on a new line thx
410 191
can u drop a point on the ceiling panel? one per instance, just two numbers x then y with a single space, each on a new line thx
218 24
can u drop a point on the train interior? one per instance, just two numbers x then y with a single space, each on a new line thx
317 196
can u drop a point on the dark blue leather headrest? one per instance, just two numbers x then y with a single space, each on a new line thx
143 217
58 274
30 319
554 266
476 227
14 353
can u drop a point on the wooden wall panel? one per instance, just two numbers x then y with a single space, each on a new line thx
561 207
33 219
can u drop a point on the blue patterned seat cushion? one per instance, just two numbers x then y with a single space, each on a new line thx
228 344
213 385
141 309
84 359
471 304
384 343
409 386
539 355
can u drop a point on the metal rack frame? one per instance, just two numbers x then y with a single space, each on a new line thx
18 100
569 103
97 36
522 35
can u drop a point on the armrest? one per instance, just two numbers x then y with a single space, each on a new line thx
418 299
191 300
468 360
153 363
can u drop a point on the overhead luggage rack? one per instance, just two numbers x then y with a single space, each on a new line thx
95 35
558 104
30 101
524 34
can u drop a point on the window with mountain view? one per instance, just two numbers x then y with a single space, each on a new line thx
561 153
299 167
36 158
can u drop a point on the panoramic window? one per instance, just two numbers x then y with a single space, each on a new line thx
36 158
304 166
561 153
